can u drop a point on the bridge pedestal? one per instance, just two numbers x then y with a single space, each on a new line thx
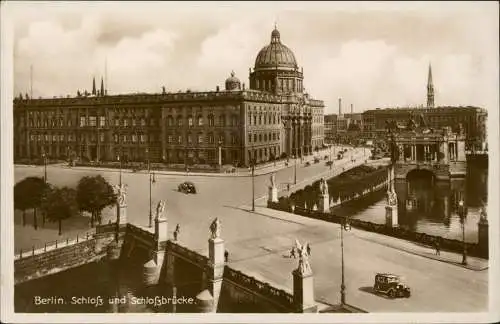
324 203
391 216
216 269
204 302
121 214
273 194
152 268
303 292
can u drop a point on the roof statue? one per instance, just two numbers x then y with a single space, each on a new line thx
215 228
304 267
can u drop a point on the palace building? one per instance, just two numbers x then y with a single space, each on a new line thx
274 118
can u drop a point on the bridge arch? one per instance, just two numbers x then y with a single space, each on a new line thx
420 173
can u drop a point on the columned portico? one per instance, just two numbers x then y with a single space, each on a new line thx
438 151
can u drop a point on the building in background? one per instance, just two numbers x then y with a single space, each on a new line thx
274 118
372 123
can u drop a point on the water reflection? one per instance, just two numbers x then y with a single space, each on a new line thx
99 287
429 206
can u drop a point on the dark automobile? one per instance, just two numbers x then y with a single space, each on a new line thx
391 285
187 187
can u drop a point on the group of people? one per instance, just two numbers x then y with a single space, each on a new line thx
294 252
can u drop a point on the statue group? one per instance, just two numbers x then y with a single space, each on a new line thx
121 193
304 266
392 199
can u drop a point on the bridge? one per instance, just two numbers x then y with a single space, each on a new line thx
441 152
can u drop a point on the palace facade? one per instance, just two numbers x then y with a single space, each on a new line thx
273 118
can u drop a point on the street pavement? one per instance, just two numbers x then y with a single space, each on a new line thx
259 242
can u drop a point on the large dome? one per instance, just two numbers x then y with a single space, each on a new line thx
275 55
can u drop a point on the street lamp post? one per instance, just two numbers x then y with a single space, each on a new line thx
253 184
344 227
44 156
220 155
462 212
294 169
152 180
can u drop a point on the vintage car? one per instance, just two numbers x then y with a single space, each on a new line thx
391 285
187 187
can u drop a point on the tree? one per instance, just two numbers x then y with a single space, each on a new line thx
93 194
28 195
21 198
59 204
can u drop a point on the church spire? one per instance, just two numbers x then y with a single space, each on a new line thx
94 92
430 89
102 87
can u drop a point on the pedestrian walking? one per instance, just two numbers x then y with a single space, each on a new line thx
177 232
226 256
438 248
308 249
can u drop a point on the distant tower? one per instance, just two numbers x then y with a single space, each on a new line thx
102 87
430 89
94 92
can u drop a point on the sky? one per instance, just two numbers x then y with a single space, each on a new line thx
370 55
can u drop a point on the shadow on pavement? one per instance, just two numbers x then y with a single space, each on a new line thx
370 290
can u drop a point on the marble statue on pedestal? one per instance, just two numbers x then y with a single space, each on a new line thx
323 187
160 209
215 228
273 180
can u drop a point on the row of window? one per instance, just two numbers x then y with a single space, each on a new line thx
200 138
266 119
134 138
263 137
199 120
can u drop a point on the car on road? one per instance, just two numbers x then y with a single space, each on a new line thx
187 187
391 285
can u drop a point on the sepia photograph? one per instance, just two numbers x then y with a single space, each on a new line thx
250 161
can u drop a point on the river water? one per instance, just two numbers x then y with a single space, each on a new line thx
429 206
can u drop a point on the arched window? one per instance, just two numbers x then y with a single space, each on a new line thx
249 118
200 120
170 121
179 121
190 121
211 121
254 120
260 119
265 137
260 137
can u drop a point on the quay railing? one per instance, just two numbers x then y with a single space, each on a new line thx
53 245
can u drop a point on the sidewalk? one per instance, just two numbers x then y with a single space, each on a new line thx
241 172
473 263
